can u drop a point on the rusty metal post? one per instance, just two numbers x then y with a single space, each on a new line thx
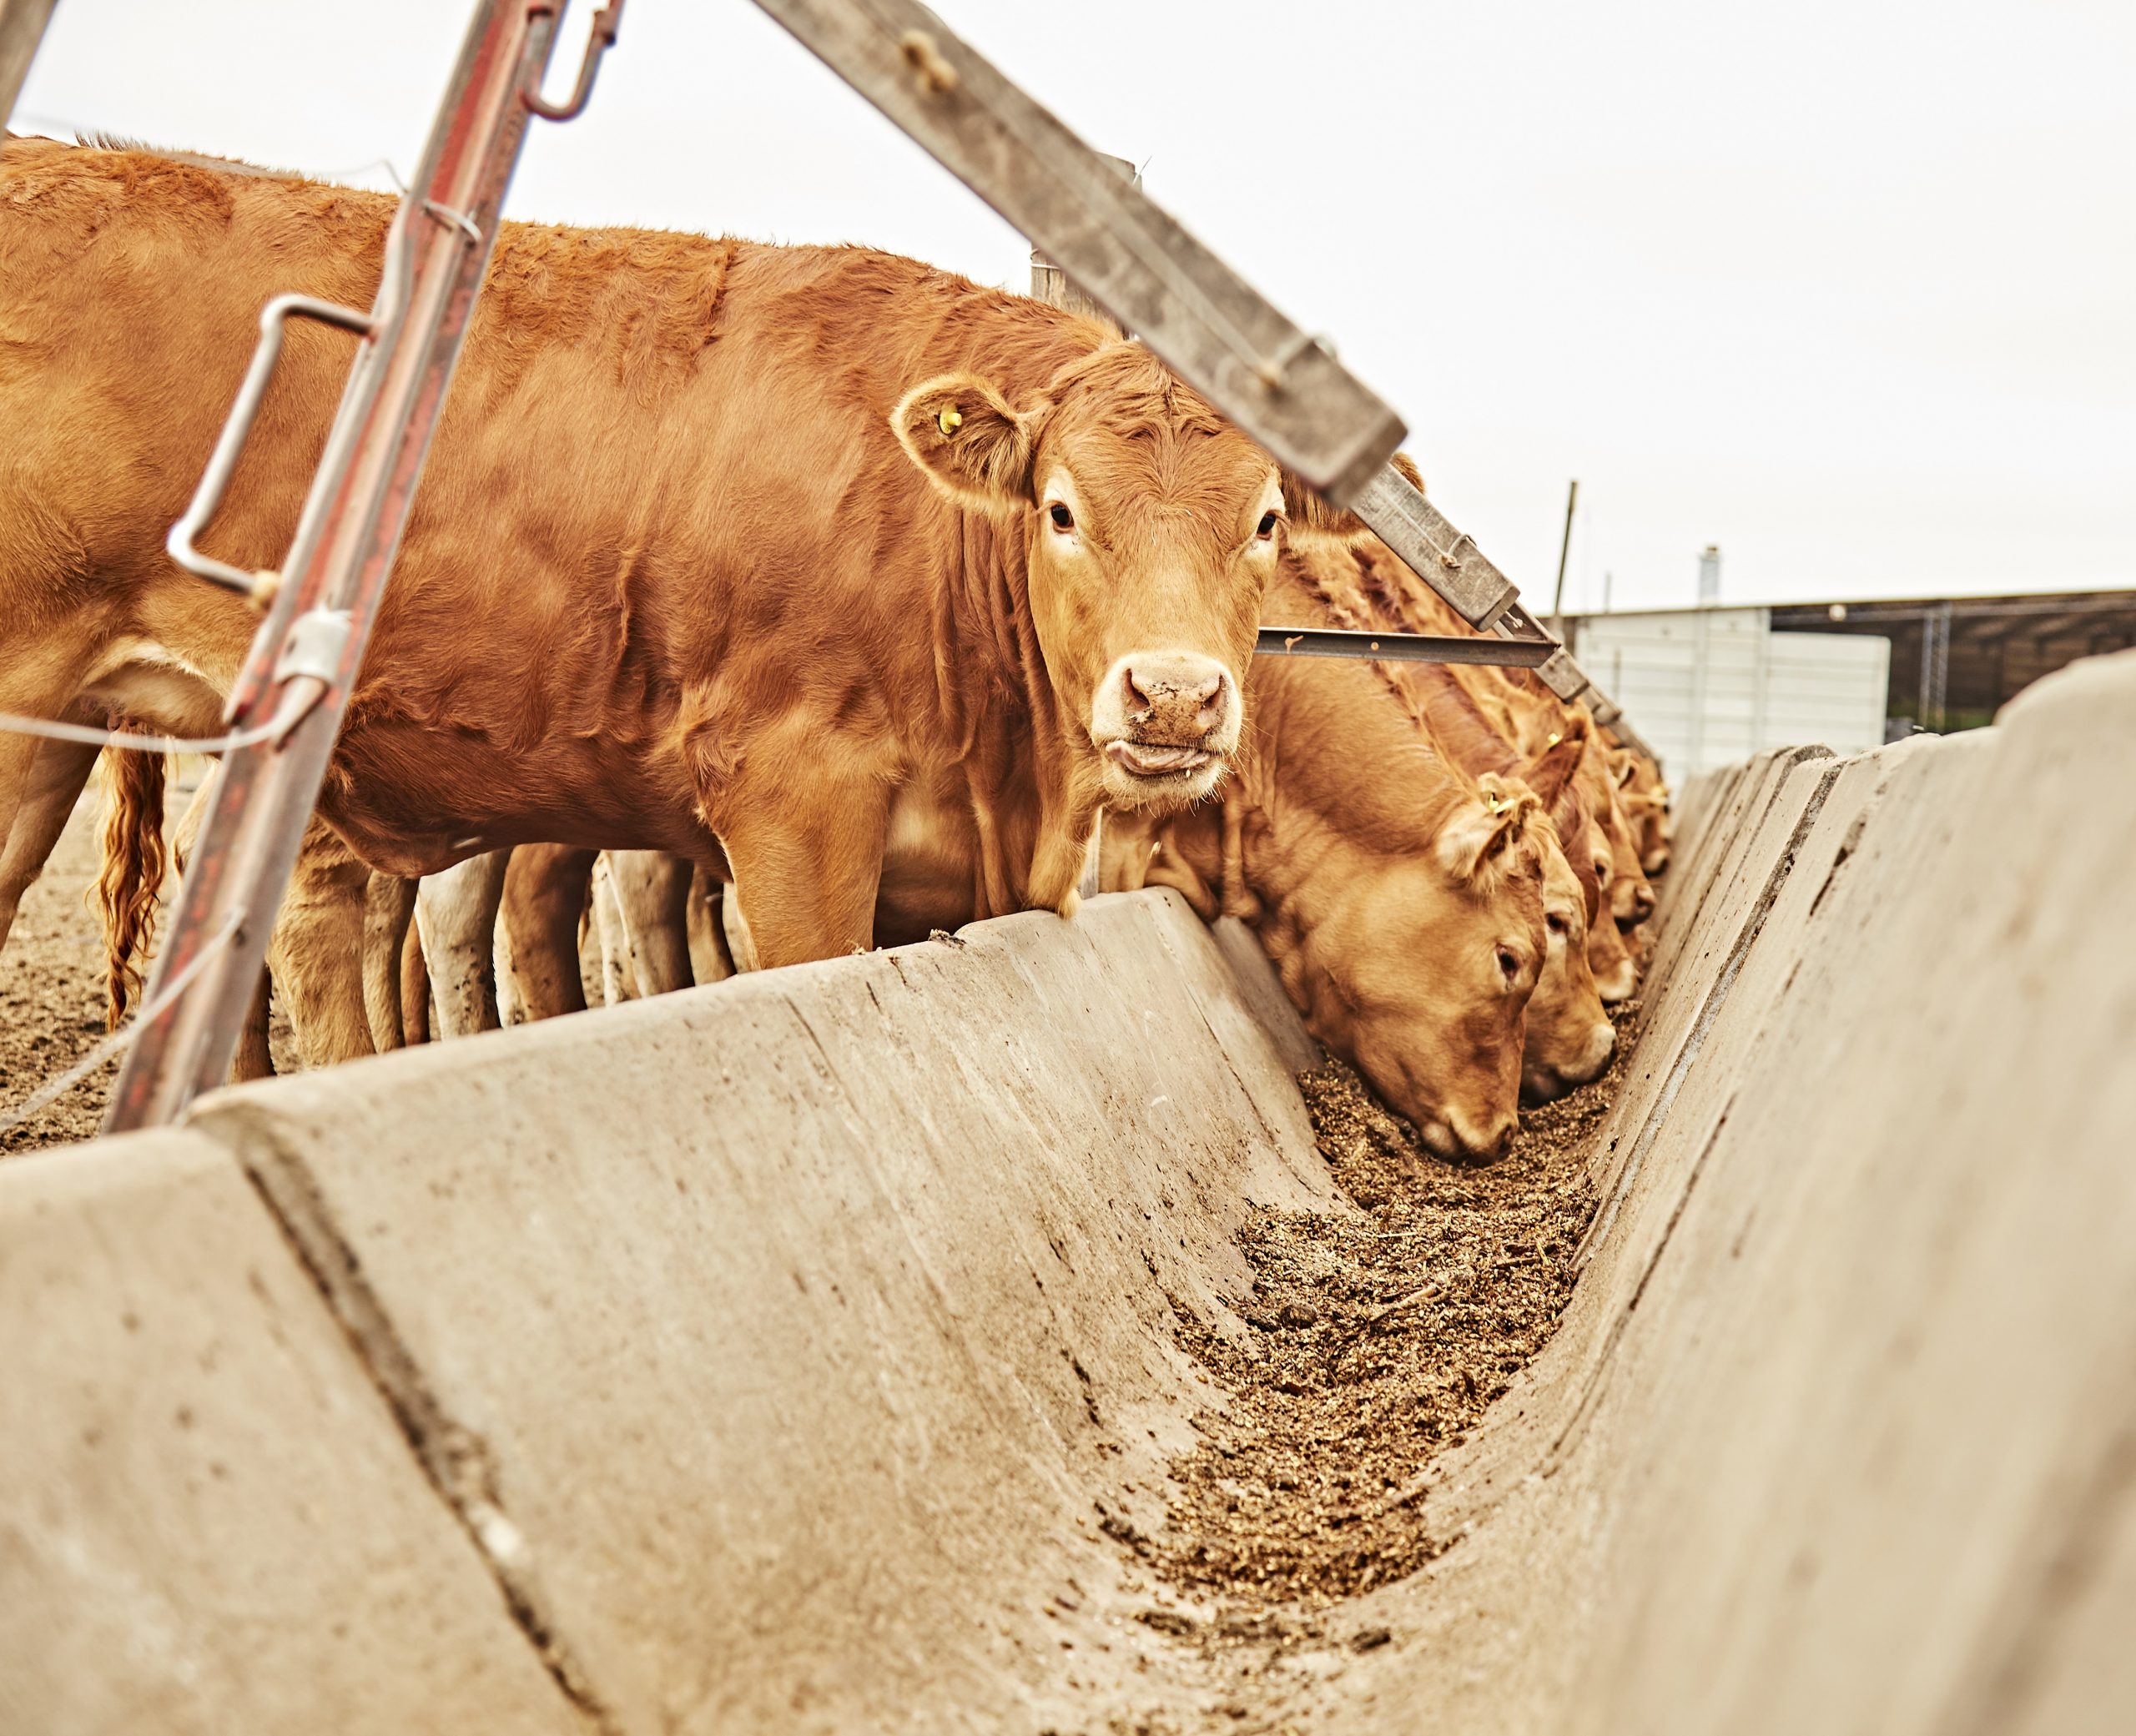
21 29
330 586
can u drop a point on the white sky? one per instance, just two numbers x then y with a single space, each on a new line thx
1846 286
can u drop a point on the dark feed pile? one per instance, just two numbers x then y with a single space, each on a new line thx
1376 1342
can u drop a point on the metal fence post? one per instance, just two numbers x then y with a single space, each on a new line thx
304 663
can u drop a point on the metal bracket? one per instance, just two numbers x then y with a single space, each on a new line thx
318 640
605 23
222 463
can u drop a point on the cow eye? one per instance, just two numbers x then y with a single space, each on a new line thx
1063 519
1557 924
1268 528
1602 870
1510 962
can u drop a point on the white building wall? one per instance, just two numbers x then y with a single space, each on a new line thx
1705 687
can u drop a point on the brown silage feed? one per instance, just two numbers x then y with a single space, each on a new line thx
1376 1341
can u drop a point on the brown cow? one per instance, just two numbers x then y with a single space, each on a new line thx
1645 799
1514 707
1401 901
782 559
1343 576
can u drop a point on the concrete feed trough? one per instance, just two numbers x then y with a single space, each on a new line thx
805 1352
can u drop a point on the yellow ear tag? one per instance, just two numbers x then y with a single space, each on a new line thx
950 419
1554 741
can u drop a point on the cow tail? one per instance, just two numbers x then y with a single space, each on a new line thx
133 874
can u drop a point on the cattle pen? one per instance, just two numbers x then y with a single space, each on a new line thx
1039 1327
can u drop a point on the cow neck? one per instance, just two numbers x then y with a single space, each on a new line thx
1361 585
1344 757
997 704
996 701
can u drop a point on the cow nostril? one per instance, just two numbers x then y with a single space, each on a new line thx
1209 701
1137 700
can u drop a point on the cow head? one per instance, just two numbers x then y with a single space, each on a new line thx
1570 1035
1417 965
1610 956
1645 800
1153 527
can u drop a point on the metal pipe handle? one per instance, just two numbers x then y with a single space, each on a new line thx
222 463
606 23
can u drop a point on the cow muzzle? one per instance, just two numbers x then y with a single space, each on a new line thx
1166 722
1543 1082
1448 1139
1620 985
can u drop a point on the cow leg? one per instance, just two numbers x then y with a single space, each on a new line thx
1064 847
57 777
43 680
1125 843
735 928
807 863
389 910
254 1059
457 912
619 983
652 894
712 959
186 834
415 990
545 892
316 952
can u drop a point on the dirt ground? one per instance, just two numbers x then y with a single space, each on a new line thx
52 986
51 994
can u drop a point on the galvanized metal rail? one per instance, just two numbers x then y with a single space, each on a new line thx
322 604
1295 642
1134 260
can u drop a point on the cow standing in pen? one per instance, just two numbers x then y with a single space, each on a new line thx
835 561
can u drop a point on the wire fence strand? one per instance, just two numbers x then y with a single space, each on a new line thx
51 1090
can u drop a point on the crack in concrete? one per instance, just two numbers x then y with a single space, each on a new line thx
1716 997
456 1460
1657 1116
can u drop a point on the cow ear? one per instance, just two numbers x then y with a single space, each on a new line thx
1548 773
1479 833
1307 509
971 444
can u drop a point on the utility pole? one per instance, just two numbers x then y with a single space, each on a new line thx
1565 549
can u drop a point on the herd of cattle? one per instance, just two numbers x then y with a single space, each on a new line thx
826 599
